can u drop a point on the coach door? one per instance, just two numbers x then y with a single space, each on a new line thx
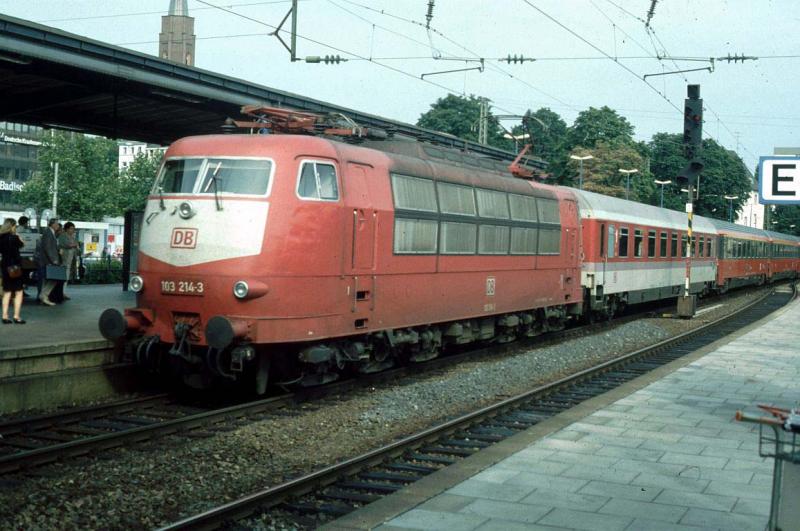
360 235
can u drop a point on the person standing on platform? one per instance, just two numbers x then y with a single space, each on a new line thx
68 246
49 256
10 244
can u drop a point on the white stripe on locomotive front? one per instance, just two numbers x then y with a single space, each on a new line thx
233 232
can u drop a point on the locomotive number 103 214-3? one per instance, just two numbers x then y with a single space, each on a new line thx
183 287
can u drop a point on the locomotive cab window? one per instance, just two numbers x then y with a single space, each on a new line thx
318 182
178 176
236 176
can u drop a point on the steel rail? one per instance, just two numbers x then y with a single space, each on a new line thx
272 496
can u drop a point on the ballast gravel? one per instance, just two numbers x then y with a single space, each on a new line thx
152 484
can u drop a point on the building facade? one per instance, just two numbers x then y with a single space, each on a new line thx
130 150
19 154
176 40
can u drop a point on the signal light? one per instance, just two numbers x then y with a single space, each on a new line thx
693 123
690 173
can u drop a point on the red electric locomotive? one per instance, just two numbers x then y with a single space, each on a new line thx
292 258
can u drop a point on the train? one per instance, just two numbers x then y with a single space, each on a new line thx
278 259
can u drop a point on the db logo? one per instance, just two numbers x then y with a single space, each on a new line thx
183 238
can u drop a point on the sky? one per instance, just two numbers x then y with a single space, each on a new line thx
588 53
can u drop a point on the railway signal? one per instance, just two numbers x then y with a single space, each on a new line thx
692 136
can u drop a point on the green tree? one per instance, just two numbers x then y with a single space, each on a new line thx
136 180
459 116
786 218
548 135
724 173
601 173
87 177
593 125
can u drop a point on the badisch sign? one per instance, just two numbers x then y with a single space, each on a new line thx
779 180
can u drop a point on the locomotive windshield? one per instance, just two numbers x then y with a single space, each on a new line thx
214 175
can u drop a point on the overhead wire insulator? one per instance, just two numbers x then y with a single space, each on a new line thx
328 59
517 59
429 15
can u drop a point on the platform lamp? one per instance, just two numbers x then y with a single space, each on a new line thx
628 180
730 199
581 159
663 184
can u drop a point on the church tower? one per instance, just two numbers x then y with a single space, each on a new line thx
176 41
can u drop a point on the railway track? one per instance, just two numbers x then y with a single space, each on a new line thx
35 441
344 487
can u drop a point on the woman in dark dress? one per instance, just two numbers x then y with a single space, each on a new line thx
10 245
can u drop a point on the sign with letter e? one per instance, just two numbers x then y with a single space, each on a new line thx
779 180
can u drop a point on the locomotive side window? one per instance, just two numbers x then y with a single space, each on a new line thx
236 176
178 176
549 241
611 241
548 211
413 193
415 236
523 240
318 181
457 238
637 243
493 239
492 204
623 242
523 208
456 199
664 237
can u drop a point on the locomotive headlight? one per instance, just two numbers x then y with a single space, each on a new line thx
185 210
241 289
136 283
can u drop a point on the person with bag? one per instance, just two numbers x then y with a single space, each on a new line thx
67 245
11 263
49 257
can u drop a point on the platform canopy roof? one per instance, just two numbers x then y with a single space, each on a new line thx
52 78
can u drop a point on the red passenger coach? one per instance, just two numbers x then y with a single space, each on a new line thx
784 252
297 258
744 257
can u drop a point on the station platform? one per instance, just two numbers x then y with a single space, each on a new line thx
59 356
662 452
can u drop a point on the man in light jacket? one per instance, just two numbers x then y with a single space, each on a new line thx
49 256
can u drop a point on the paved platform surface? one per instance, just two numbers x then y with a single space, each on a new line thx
73 321
666 457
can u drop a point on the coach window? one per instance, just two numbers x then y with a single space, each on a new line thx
663 249
651 244
611 241
701 245
318 181
708 246
674 247
683 246
638 236
623 242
